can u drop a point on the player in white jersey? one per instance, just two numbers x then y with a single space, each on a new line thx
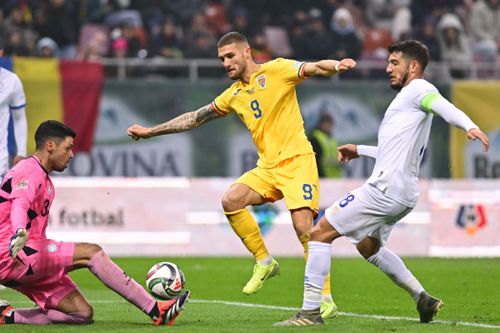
12 102
367 214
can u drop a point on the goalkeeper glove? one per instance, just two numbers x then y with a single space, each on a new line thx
18 241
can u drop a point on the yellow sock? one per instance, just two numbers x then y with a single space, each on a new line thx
304 238
326 287
245 226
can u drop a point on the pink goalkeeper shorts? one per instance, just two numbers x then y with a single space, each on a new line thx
40 272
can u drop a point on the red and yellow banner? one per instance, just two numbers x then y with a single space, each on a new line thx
68 91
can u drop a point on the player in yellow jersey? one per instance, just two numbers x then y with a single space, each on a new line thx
265 100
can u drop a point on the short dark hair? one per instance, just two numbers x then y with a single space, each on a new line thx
232 37
1 43
412 49
52 130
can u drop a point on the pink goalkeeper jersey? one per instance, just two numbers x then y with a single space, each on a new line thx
27 180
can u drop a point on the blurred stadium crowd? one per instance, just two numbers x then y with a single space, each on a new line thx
457 32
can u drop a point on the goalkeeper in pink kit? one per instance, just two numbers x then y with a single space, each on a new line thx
38 267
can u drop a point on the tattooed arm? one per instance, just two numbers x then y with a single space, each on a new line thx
328 67
182 123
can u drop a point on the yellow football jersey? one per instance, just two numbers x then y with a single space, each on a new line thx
268 107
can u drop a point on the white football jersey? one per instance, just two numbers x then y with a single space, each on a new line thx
402 139
11 98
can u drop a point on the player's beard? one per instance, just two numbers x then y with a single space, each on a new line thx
236 77
398 86
241 70
61 167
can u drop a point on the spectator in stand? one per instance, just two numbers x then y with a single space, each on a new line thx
17 28
26 8
345 40
401 22
53 19
319 39
183 10
298 34
427 35
346 43
15 45
240 22
380 13
91 11
215 15
15 18
114 13
454 44
133 43
422 9
153 16
311 34
168 43
200 42
96 48
197 26
260 49
485 28
47 48
329 7
201 45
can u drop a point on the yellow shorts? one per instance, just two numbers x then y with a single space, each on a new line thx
295 179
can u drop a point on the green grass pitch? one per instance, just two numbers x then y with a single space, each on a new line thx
470 289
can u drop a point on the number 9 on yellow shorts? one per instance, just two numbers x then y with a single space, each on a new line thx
295 179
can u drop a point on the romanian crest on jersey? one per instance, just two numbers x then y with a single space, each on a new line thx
261 81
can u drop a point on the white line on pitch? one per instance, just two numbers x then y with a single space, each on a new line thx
348 314
287 308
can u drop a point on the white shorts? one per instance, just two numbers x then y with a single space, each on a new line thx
365 211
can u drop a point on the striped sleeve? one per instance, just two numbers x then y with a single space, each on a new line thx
222 103
216 109
301 71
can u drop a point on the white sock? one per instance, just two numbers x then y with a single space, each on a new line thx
317 268
266 261
396 270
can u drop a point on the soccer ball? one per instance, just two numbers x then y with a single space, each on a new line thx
165 280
